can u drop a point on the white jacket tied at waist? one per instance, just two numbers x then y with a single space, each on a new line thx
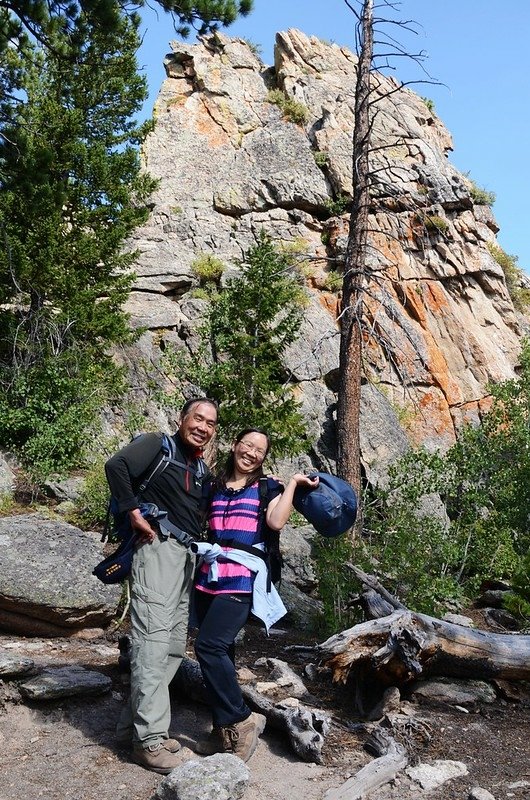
267 606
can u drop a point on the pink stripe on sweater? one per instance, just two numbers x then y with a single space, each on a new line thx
228 569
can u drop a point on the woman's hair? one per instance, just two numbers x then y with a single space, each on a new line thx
229 466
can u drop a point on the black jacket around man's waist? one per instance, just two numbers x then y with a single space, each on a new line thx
175 490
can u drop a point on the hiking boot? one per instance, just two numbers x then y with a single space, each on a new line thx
213 743
156 757
243 736
171 744
125 740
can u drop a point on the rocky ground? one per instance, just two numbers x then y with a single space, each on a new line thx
65 750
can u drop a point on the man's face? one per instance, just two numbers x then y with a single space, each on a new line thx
198 426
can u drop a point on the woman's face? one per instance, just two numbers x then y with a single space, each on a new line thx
250 452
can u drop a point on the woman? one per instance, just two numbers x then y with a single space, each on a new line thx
224 597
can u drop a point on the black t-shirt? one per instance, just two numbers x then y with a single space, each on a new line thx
176 490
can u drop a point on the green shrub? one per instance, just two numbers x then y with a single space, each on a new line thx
321 158
207 268
202 293
91 506
50 416
433 222
521 578
336 583
337 206
512 274
254 47
333 281
416 558
7 504
291 109
297 520
481 197
427 559
429 103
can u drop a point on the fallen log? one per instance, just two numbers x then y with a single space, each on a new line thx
374 775
306 727
402 646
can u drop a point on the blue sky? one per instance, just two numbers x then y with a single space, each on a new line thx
477 48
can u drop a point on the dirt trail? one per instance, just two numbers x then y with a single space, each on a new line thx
66 750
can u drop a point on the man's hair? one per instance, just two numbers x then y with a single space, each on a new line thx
188 405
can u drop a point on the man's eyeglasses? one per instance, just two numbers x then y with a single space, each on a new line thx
259 452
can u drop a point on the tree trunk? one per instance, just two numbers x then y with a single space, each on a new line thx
306 727
403 646
349 394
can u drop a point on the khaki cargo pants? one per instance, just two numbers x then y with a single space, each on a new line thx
161 580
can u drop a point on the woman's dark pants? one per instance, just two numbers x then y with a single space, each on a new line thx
220 619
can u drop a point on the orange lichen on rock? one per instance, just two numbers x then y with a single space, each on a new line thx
433 419
330 302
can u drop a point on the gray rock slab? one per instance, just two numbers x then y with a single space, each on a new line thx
382 439
315 354
46 582
459 619
430 776
7 476
56 682
477 793
65 489
151 310
218 777
12 666
455 692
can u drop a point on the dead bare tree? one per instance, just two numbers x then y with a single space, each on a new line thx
349 395
360 251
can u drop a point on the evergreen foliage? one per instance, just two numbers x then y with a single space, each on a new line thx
513 275
292 110
72 191
334 583
248 327
484 483
53 22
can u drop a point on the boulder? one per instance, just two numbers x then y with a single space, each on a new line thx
7 476
46 582
218 777
54 683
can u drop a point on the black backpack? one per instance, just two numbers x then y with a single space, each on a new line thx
118 528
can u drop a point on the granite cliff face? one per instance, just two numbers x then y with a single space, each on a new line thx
230 164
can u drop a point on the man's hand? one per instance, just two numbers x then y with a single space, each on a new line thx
140 525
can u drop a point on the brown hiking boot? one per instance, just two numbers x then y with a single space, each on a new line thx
243 736
213 743
171 744
157 757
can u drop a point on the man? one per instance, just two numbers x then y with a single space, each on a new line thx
161 575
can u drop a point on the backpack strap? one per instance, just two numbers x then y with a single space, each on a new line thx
154 470
271 538
169 453
263 491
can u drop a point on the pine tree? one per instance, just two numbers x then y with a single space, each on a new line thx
46 21
72 191
249 326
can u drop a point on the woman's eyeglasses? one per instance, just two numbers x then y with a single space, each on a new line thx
258 451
